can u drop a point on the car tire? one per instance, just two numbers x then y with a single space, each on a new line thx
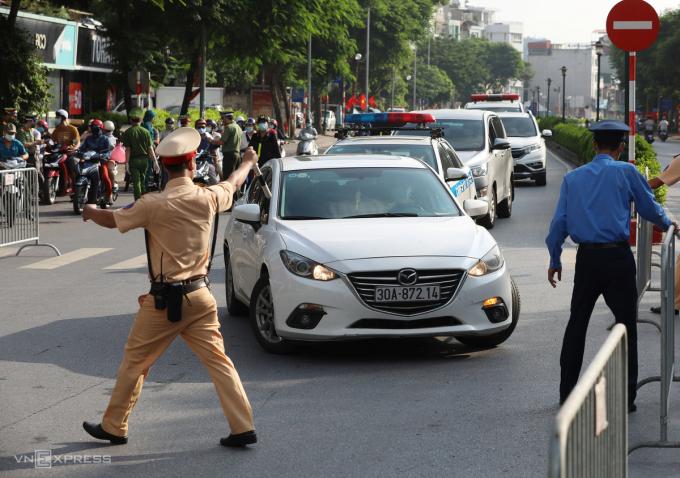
488 341
234 306
505 206
261 306
489 221
541 179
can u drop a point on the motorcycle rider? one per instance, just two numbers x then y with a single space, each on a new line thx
12 152
68 137
231 143
169 127
264 142
663 126
649 125
96 141
207 143
241 122
109 128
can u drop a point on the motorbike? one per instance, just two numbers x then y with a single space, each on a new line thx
88 164
649 136
307 144
12 190
55 167
205 174
663 135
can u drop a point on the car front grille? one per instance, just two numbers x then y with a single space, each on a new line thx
448 280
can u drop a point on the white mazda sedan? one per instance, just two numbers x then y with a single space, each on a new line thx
348 249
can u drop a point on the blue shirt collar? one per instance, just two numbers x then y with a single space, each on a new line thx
602 157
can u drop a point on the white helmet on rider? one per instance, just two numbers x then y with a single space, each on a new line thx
62 113
109 126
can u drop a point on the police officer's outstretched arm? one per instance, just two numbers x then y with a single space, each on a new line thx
645 203
556 236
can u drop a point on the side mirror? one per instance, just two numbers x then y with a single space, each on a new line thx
546 133
500 144
247 214
476 207
454 174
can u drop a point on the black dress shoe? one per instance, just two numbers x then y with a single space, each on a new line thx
657 310
242 439
95 430
632 408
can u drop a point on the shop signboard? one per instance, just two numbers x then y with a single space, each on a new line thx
75 98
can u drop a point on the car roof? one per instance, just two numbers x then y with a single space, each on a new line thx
297 163
515 114
459 113
425 138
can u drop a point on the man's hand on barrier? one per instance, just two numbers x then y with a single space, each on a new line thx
551 276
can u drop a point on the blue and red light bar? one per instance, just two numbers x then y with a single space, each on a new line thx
495 97
389 119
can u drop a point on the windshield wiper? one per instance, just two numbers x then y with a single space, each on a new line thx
383 214
302 218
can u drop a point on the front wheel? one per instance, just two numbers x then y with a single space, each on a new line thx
49 190
262 318
79 199
489 221
487 341
505 206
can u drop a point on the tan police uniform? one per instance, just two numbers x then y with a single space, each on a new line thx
179 224
670 177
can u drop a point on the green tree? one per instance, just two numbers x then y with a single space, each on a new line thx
434 86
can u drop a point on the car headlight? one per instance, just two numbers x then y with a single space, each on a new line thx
532 148
303 267
480 170
491 262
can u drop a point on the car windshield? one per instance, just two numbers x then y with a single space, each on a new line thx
462 134
519 127
350 193
424 152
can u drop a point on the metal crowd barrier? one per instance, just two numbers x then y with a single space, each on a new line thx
667 326
19 214
590 438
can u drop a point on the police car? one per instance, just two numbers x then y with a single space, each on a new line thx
496 102
528 146
427 145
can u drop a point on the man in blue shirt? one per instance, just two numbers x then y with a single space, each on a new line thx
594 210
11 149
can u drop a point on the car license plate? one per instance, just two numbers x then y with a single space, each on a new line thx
407 294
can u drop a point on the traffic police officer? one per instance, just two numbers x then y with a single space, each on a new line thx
177 223
594 209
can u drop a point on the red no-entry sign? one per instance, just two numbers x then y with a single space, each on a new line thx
633 25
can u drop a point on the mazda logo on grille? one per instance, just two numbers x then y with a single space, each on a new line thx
407 277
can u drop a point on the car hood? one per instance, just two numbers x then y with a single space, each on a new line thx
472 158
328 241
517 142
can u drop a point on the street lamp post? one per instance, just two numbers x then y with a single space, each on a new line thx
564 92
357 58
599 50
368 50
547 110
415 73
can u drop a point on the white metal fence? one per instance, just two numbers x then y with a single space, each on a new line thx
19 214
590 437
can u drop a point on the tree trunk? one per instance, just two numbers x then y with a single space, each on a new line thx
286 103
13 11
276 100
189 86
317 112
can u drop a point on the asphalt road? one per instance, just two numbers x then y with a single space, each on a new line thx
368 409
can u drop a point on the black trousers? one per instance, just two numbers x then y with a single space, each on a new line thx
611 273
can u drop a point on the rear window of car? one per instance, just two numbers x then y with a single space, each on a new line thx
423 152
462 134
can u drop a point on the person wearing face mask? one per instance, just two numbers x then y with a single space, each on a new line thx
169 127
30 137
68 137
265 142
96 141
9 116
231 143
147 123
12 152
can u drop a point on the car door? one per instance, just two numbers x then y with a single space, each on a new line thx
254 238
469 191
503 160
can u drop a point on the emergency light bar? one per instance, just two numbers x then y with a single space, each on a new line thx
495 97
389 118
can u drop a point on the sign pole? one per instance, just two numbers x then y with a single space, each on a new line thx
632 67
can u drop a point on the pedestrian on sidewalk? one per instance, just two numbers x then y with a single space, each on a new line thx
670 176
138 152
594 210
177 222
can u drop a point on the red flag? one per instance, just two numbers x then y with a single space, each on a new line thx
350 103
371 102
362 102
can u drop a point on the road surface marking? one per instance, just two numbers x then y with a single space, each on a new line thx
641 25
134 263
68 258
